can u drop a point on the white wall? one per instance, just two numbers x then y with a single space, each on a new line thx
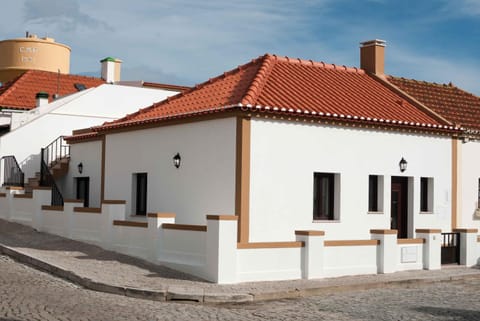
98 105
205 182
90 155
284 156
470 174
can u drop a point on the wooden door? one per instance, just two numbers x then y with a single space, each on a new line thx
399 206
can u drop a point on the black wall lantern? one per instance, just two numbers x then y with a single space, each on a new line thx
176 160
80 167
403 165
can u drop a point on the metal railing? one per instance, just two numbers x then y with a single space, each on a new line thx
12 173
55 151
46 179
50 156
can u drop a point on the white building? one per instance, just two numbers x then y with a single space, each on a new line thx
279 169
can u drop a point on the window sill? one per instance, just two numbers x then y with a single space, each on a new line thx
376 213
326 221
428 212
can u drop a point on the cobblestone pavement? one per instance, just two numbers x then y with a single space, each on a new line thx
27 294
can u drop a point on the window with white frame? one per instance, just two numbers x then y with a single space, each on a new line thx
375 193
426 194
326 198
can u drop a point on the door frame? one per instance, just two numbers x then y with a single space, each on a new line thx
86 197
400 184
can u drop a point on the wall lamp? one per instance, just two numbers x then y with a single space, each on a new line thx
177 159
80 167
403 165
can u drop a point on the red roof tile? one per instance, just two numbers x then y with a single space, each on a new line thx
285 85
457 106
20 92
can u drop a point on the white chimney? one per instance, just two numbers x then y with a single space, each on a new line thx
41 99
372 56
111 69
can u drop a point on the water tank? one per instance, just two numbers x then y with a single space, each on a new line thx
31 52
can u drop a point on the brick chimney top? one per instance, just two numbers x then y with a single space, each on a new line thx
372 56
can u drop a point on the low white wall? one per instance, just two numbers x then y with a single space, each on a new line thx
350 260
55 222
23 209
183 247
269 264
410 257
131 240
212 251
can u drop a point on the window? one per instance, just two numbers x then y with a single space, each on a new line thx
323 196
140 193
426 194
375 193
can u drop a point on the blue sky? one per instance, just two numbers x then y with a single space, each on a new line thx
188 41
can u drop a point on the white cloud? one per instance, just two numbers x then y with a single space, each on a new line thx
65 15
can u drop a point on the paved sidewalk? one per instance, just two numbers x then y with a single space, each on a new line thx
95 268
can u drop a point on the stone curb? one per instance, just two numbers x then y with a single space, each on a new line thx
209 296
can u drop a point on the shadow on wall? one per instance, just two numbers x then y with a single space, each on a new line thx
30 165
17 235
450 314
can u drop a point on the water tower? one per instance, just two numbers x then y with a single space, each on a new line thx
22 54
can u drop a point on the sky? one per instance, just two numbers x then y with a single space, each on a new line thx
186 42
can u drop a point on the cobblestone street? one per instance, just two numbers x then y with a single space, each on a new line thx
27 294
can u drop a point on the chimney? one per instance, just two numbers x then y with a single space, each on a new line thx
111 69
41 99
372 56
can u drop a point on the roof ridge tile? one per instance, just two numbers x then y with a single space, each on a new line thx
259 81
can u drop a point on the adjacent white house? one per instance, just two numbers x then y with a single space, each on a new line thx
37 128
463 109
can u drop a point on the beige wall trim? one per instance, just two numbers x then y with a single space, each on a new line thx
41 188
29 195
383 231
351 242
410 241
52 208
162 215
184 227
130 223
242 178
310 233
455 184
270 245
102 181
87 209
222 217
14 188
465 230
428 230
114 202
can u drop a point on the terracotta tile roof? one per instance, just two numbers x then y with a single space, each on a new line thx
457 106
20 92
284 85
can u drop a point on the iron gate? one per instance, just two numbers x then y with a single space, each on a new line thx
450 248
